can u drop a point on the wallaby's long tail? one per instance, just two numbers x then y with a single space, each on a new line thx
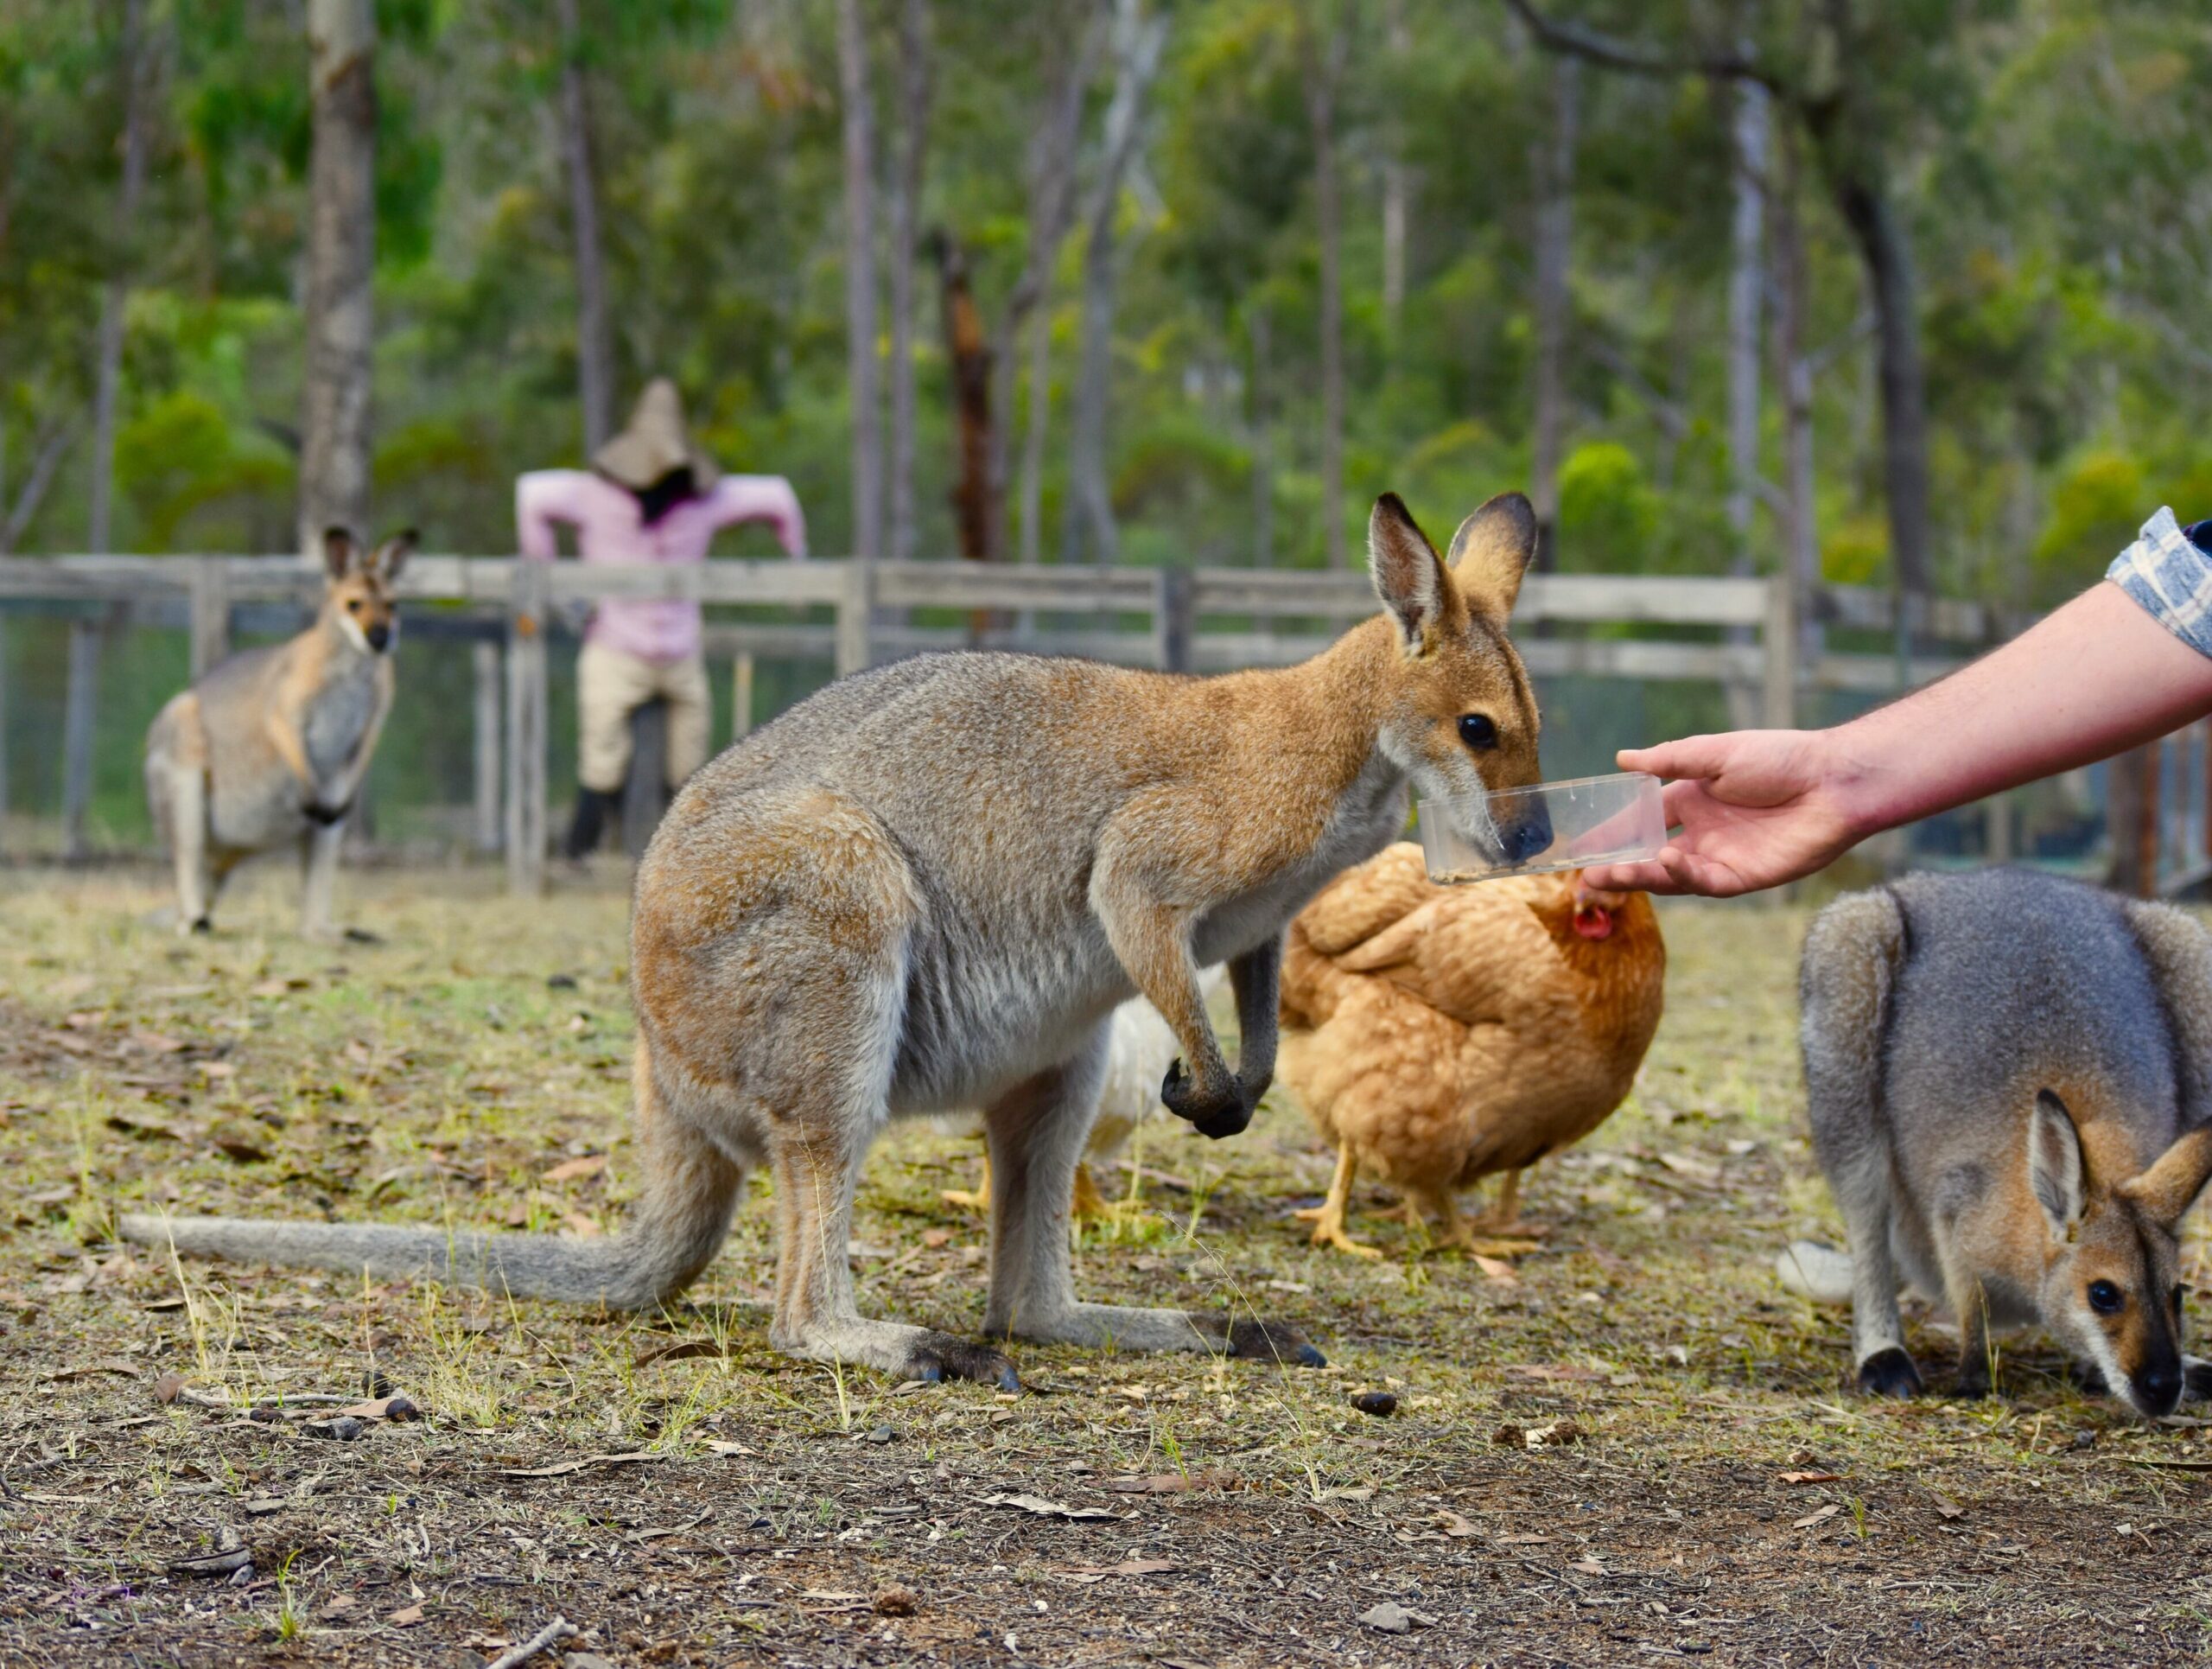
625 1271
1820 1273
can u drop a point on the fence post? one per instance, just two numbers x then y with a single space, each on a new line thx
855 607
79 713
1778 646
1175 594
210 612
3 730
740 699
484 654
526 809
644 792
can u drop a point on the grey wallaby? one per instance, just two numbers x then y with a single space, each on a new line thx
2009 1080
268 748
927 887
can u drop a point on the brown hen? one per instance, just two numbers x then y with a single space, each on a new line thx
1439 1034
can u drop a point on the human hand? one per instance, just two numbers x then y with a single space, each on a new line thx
1752 809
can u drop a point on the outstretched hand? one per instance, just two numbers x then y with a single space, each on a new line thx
1751 809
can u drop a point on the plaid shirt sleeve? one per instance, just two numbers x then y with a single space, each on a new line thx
2169 574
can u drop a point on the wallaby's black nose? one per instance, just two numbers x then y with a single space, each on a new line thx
378 636
2159 1387
1527 838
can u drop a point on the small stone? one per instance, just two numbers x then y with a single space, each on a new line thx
345 1428
563 982
1380 1404
586 1660
2084 1439
1508 1435
264 1506
400 1409
1392 1618
166 1387
882 1434
895 1601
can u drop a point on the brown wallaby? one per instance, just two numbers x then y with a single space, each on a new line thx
927 887
270 745
2009 1082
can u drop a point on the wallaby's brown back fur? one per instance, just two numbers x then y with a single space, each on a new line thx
929 886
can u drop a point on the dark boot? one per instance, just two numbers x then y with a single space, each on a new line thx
589 822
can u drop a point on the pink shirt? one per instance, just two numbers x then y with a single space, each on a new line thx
609 527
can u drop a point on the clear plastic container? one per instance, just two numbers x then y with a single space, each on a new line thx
1553 825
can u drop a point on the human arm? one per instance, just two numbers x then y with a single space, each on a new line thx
736 499
544 498
2112 669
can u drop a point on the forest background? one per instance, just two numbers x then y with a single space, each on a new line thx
1904 292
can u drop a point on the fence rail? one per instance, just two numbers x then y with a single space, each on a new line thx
1754 635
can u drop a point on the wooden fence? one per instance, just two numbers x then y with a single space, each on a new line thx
1753 636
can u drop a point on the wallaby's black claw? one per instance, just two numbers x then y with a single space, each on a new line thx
2196 1379
1275 1341
201 924
1890 1373
947 1358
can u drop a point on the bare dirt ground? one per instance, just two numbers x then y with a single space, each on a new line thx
682 1495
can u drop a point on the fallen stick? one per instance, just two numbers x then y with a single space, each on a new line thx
559 1629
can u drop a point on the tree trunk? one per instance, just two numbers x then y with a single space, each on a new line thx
1397 41
1885 247
1259 385
1747 287
1138 43
1051 208
2131 797
595 344
1555 177
341 254
1746 291
860 278
107 373
906 209
969 355
1031 504
1324 66
1793 352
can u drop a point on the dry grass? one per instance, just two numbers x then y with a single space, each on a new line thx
440 1077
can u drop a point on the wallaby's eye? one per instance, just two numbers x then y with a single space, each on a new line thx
354 607
2104 1297
1477 731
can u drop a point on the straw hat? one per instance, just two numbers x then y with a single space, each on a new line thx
655 443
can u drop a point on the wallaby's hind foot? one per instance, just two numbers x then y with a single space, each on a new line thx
1890 1372
1125 1327
902 1352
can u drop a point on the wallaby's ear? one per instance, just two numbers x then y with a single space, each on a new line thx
391 556
1408 578
342 551
1492 550
2055 1163
2169 1188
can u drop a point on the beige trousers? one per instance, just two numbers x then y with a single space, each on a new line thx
610 686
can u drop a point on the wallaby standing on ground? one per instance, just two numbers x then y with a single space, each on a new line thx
927 887
2010 1078
270 745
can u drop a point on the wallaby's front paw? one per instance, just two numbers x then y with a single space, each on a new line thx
1218 1109
947 1358
200 924
1275 1342
2196 1379
1890 1373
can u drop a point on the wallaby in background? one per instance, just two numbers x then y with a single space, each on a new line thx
927 887
2009 1078
270 745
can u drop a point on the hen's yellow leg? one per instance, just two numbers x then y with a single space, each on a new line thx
1328 1217
1457 1232
980 1199
1089 1202
1504 1215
